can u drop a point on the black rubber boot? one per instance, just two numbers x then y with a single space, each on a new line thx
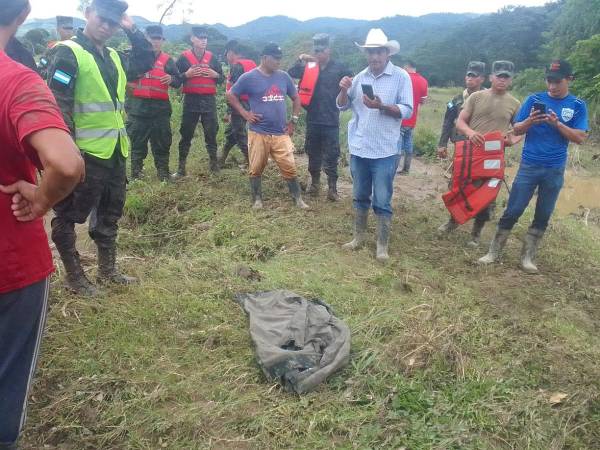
256 189
294 188
107 267
315 185
181 172
224 155
384 226
137 166
332 193
360 230
75 279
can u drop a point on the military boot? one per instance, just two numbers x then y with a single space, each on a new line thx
137 166
294 188
256 188
181 172
530 247
448 227
214 162
315 185
360 230
496 247
332 193
107 267
224 155
384 225
476 234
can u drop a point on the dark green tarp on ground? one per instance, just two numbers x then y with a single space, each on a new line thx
299 343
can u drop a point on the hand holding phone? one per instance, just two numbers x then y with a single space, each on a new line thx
540 107
367 90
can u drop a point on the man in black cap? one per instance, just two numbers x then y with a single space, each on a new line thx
473 82
270 132
64 31
236 132
149 110
89 81
320 77
202 73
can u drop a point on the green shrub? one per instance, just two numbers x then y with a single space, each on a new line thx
425 141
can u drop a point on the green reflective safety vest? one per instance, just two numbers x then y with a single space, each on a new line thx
99 123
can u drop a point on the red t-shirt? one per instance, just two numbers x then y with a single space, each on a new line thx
419 85
26 106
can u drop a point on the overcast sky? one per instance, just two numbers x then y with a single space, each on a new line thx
238 12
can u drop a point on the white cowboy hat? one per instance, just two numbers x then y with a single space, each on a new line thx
377 39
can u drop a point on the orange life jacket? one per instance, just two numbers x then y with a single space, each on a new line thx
199 85
476 178
149 85
247 65
306 88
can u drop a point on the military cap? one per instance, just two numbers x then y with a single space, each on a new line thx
64 22
154 31
200 32
321 41
112 10
476 68
506 68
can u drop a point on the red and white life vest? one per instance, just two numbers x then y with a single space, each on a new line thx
199 85
247 65
476 178
306 88
149 85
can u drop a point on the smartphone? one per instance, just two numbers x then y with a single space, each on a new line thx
368 91
539 106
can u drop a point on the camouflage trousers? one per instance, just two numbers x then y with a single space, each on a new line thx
157 132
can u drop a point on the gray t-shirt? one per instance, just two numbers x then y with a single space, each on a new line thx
267 99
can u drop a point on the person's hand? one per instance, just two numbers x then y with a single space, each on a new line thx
291 127
209 73
127 23
227 118
442 152
26 203
166 79
250 117
536 117
307 58
477 138
552 118
372 104
346 83
193 72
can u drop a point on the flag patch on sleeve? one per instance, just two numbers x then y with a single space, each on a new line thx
62 77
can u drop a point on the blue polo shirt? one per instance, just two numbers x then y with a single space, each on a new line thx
544 145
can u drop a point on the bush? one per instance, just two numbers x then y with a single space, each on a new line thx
425 142
529 81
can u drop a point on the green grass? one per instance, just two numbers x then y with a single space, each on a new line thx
445 355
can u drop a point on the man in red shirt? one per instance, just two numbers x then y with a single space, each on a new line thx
32 135
420 86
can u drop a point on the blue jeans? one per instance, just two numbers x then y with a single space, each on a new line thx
548 181
373 183
405 145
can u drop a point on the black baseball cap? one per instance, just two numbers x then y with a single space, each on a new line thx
273 50
200 32
476 69
154 31
112 10
559 69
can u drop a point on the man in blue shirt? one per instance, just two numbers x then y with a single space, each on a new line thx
270 133
550 121
373 135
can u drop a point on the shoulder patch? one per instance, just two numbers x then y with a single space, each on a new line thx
62 77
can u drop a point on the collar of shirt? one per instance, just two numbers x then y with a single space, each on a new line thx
387 71
87 44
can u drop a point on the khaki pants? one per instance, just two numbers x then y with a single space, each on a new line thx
279 148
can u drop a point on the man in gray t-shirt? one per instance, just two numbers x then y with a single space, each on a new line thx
270 133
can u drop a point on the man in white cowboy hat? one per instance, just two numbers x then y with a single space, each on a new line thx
380 97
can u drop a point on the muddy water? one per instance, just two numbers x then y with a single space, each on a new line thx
578 192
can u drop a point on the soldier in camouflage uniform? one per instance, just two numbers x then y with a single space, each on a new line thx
149 117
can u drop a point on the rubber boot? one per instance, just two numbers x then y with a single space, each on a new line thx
360 230
476 234
530 247
294 188
315 185
496 247
448 227
75 279
181 172
256 188
224 155
137 166
214 162
332 193
407 162
384 225
162 170
107 267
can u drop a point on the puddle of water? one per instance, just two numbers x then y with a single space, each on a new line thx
578 192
